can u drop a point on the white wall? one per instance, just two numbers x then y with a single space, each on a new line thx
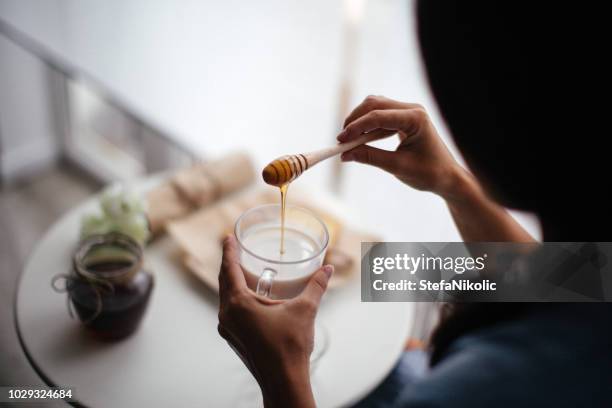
28 140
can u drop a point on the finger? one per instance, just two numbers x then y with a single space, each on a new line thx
266 301
380 134
314 290
231 277
405 120
384 159
371 103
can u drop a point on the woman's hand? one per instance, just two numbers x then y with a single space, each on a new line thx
421 160
274 338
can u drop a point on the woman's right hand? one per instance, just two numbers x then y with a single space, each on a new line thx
421 159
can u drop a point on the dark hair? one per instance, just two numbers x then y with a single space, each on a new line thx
459 318
477 70
477 60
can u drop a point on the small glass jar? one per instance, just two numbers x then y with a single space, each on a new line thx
108 288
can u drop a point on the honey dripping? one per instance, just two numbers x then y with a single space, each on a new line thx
280 173
283 191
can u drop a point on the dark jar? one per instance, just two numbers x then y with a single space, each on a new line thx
108 288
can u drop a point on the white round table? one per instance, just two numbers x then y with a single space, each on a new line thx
176 358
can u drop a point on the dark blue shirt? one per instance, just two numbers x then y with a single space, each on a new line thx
554 356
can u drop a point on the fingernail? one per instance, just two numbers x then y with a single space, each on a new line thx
346 157
341 136
328 269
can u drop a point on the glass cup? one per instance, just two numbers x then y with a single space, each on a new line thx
269 272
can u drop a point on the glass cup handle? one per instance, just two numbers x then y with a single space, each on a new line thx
264 284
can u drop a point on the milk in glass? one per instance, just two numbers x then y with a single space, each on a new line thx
295 267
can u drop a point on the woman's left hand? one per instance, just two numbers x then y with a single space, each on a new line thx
274 338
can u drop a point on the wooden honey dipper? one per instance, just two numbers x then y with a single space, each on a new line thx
285 169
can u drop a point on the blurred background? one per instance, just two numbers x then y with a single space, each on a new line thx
97 92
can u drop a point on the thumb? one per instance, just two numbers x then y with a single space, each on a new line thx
384 159
314 290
